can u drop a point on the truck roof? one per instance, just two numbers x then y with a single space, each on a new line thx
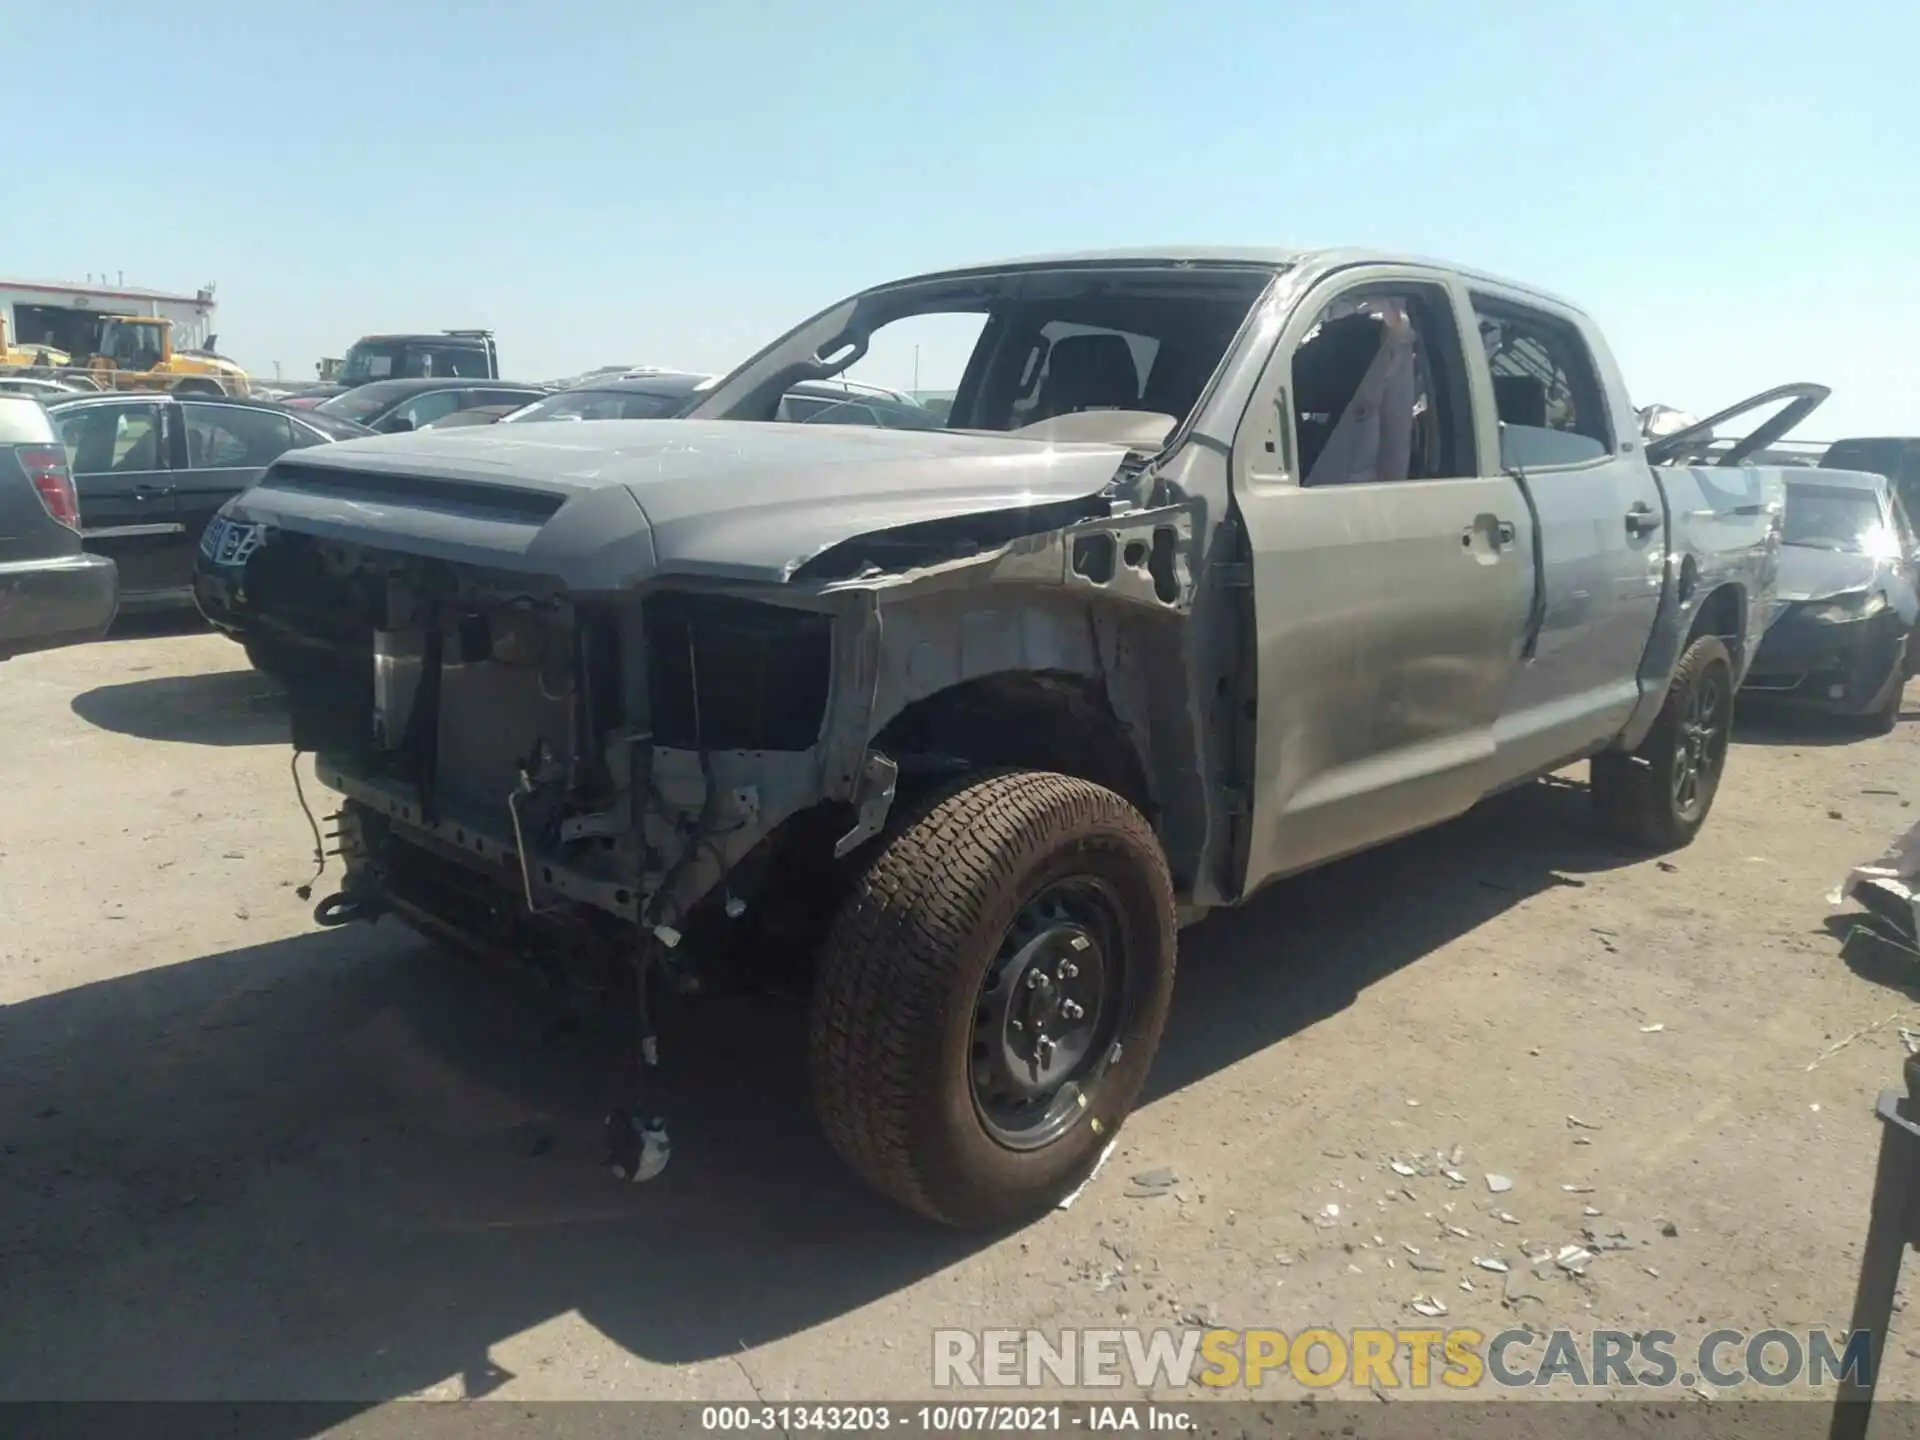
477 338
1269 256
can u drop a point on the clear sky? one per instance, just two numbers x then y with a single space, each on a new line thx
1733 189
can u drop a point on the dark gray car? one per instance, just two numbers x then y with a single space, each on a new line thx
398 405
51 591
1837 638
659 394
151 470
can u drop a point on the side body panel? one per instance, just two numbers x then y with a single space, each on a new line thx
1724 535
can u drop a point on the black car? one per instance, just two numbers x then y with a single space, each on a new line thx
151 469
1894 456
657 395
395 405
1846 605
51 592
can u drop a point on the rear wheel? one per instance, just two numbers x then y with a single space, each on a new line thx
1659 796
991 995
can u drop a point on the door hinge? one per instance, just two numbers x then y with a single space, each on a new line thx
1234 574
1236 800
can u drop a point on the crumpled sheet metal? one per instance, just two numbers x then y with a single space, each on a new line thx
1890 886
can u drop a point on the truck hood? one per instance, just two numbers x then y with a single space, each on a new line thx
606 504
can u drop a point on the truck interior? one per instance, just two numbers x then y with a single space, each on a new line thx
1050 343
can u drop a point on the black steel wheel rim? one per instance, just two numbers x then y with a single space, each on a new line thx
1049 1014
1701 747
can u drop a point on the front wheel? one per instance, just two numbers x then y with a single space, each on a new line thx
991 994
1659 796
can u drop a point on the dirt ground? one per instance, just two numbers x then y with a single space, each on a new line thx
247 1158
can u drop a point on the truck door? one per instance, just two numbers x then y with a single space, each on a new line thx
1601 525
118 451
1392 578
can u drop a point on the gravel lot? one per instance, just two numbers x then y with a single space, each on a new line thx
245 1158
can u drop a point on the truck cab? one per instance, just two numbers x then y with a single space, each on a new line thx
468 354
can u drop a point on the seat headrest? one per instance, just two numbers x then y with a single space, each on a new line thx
1086 372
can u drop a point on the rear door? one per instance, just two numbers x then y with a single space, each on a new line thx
1391 575
227 448
1600 520
120 457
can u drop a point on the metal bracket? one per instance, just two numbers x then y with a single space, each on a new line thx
1893 1225
879 777
600 824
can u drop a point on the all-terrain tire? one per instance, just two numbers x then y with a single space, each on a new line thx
900 976
1635 797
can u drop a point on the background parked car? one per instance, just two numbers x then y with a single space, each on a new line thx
396 405
39 388
151 469
473 415
51 592
1840 635
1896 457
659 394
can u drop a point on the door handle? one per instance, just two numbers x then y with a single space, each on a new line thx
152 492
1641 519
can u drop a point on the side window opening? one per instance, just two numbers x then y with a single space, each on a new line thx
1546 389
1376 394
228 437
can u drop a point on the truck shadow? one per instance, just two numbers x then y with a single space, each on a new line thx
224 707
345 1165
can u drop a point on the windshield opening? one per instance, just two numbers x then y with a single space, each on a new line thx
1838 518
1021 347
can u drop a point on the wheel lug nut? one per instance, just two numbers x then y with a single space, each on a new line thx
1068 969
1017 1025
1071 1010
1035 979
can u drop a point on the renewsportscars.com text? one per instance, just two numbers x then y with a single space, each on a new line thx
1409 1358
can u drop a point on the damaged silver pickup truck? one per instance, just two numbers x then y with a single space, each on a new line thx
1228 564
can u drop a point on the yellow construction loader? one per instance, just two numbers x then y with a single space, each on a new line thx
23 357
135 352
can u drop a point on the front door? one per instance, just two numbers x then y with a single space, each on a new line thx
119 454
1392 579
1601 518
